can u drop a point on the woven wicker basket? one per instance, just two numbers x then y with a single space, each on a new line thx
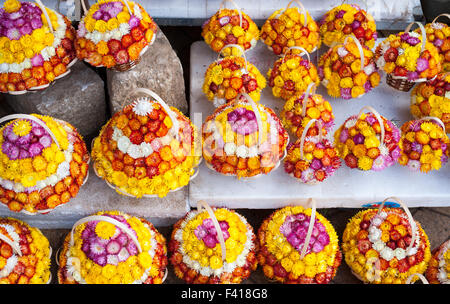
400 84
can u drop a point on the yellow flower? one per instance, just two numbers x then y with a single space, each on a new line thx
38 35
105 230
21 127
12 6
112 24
101 26
123 17
102 47
365 163
145 259
108 271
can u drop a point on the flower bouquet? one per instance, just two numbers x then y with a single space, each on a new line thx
114 34
385 245
243 139
439 34
438 271
368 141
292 74
147 149
347 19
24 254
407 58
227 77
312 159
298 246
36 47
432 98
43 163
289 27
111 247
213 246
424 144
348 70
230 27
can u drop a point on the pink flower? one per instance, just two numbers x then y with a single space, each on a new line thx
37 60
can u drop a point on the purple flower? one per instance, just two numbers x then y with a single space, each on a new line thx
358 139
395 154
371 119
346 93
316 164
133 22
356 24
379 163
340 14
344 135
412 76
438 42
97 15
367 86
37 60
404 37
413 41
422 64
13 34
444 159
224 20
414 165
36 23
416 147
26 29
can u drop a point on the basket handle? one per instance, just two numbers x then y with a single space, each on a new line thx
257 114
85 9
410 218
222 6
310 91
424 34
441 15
15 246
304 52
378 117
236 46
204 205
302 11
360 48
312 203
440 123
36 120
102 218
421 277
44 11
305 131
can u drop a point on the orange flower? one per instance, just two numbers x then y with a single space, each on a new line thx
134 51
102 48
166 153
385 226
393 218
108 61
359 150
401 229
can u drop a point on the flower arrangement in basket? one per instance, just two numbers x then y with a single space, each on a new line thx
439 34
438 271
243 139
216 246
385 245
36 47
312 159
300 109
407 58
348 70
114 34
291 26
292 74
111 247
347 19
147 149
226 77
368 141
298 246
432 98
24 254
424 144
230 26
43 163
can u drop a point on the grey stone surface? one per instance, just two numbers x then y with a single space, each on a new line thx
78 98
5 108
159 70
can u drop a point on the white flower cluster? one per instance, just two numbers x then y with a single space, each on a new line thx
142 107
117 33
11 262
442 270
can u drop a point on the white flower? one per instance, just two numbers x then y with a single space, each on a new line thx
51 52
411 251
242 151
117 134
241 260
383 149
414 34
376 221
63 170
378 245
387 253
124 28
442 275
123 143
230 148
142 107
342 52
380 62
3 67
350 123
116 34
165 140
369 69
146 149
253 151
18 188
218 101
206 271
399 253
134 151
52 180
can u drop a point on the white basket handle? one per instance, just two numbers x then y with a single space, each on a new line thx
424 34
257 114
360 48
310 91
236 46
36 120
440 123
85 9
103 218
304 52
222 6
312 202
44 11
305 131
15 246
302 11
441 15
378 117
204 205
421 277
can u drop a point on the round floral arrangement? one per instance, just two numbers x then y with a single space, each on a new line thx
298 112
311 159
114 34
439 34
432 98
147 149
227 77
24 254
407 57
243 139
213 246
291 27
292 74
385 245
111 247
424 144
36 46
348 19
438 271
368 141
43 163
348 70
230 26
298 246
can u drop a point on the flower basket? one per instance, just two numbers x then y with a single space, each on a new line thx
292 74
407 58
233 144
439 34
111 247
312 159
291 26
432 98
230 26
385 245
24 254
201 254
114 34
438 268
226 77
147 149
36 47
348 70
298 246
368 141
44 162
424 144
347 19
